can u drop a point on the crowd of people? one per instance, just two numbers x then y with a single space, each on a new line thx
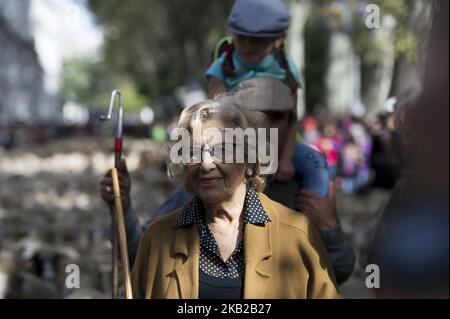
361 152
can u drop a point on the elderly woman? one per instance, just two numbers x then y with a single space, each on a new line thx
274 99
230 241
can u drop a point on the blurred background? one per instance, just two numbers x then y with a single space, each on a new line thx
362 68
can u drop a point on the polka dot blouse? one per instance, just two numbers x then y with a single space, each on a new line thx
211 261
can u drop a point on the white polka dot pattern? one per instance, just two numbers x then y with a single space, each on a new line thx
211 261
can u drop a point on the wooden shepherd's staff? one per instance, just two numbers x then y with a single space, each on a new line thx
119 243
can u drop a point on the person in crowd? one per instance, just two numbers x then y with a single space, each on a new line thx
256 48
386 155
310 131
330 144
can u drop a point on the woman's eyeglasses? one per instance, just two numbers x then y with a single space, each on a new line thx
220 153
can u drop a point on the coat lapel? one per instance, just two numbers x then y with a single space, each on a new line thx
186 251
258 257
184 280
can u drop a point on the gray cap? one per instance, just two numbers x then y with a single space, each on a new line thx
259 18
265 94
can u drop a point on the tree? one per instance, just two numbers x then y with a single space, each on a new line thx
342 54
160 45
90 84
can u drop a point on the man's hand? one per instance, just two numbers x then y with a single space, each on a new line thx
322 211
106 188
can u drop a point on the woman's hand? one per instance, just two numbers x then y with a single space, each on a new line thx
106 188
322 211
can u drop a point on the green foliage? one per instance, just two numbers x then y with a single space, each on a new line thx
91 83
159 44
404 39
349 17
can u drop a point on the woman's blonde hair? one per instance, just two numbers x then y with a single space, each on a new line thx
227 109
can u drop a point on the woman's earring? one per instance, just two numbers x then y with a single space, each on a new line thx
249 172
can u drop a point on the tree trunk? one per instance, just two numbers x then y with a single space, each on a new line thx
296 44
380 75
341 77
407 83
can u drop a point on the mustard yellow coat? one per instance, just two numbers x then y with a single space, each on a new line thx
284 258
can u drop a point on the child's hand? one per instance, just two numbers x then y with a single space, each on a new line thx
286 171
